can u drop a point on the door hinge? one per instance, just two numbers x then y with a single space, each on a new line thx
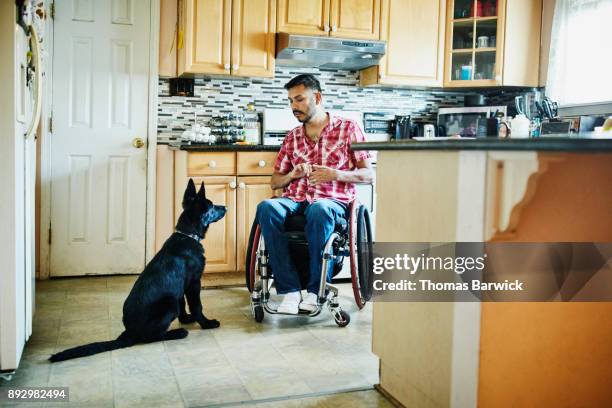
53 10
50 124
49 235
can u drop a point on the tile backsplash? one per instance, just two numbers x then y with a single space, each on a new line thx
341 91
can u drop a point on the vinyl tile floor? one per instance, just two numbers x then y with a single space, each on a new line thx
284 361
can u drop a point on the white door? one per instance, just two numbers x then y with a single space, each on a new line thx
100 105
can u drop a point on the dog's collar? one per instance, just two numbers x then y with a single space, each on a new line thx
192 236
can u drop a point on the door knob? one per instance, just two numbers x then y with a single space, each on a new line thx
226 67
232 185
261 163
326 28
241 185
235 67
334 28
138 143
212 164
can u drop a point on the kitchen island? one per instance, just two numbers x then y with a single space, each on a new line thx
494 354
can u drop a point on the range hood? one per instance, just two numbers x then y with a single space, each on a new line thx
327 52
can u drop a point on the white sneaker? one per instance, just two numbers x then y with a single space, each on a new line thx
309 303
290 303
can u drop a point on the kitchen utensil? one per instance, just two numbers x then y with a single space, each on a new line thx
402 127
551 109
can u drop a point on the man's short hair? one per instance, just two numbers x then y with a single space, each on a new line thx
308 80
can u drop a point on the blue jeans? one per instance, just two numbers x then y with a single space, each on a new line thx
320 223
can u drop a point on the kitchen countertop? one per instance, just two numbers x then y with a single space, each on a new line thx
557 144
201 147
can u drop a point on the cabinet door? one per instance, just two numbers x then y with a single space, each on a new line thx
167 37
251 191
303 17
253 37
475 42
414 31
204 37
219 243
355 19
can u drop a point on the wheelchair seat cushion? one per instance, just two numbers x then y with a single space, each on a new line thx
297 223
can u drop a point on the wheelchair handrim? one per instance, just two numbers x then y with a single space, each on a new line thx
253 258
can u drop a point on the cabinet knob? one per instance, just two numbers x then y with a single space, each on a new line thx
235 67
326 28
212 164
241 185
262 163
226 67
232 185
334 28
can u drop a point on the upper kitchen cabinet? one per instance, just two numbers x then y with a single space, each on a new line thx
358 19
414 32
303 17
492 43
227 37
167 38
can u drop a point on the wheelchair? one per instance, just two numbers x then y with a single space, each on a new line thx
351 239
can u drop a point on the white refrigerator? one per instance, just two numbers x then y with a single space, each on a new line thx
19 115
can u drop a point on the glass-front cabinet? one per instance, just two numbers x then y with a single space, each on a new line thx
474 43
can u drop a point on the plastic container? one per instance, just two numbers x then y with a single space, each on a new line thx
520 127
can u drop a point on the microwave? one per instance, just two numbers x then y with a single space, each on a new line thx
464 121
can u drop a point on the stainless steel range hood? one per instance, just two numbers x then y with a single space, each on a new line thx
327 52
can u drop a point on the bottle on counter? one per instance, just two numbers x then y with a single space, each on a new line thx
251 125
520 126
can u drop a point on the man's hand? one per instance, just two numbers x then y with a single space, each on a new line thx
322 174
301 170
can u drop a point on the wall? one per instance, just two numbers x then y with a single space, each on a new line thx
340 91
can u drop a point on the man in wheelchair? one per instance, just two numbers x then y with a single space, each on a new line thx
317 169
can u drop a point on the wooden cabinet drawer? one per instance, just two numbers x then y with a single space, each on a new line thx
208 164
255 163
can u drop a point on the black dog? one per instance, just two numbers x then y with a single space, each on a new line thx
158 296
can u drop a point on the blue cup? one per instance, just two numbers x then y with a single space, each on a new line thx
466 72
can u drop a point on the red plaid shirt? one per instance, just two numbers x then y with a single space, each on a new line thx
333 149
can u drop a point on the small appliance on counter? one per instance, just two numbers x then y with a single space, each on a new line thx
278 122
465 121
379 126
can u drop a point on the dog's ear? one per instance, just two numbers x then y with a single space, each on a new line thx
202 193
190 194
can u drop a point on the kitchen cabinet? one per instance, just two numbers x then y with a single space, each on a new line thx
508 197
358 19
226 37
414 32
492 43
237 180
167 37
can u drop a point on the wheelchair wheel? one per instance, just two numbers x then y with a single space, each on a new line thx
258 313
342 318
360 247
364 253
250 269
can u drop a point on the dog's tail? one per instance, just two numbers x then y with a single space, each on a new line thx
93 348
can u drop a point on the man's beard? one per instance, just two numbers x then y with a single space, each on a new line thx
306 116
